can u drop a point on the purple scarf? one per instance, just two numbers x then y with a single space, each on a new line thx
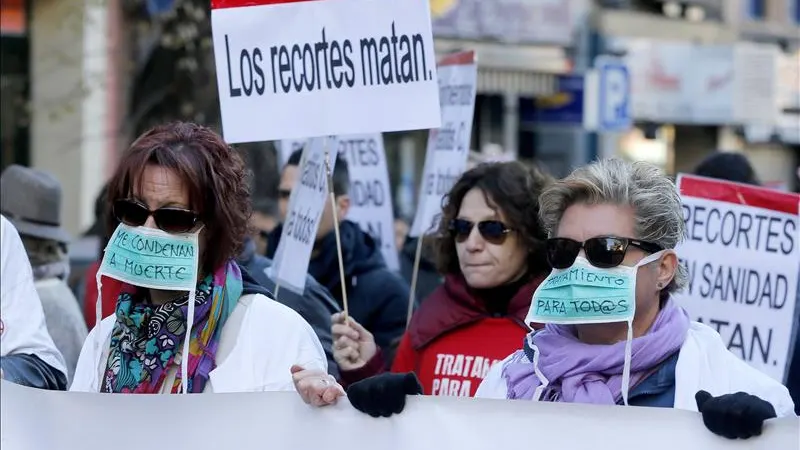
583 373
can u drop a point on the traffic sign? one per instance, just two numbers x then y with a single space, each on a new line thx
607 105
599 100
615 93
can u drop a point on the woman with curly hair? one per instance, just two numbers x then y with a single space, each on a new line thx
490 249
179 202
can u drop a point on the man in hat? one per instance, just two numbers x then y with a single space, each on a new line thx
31 200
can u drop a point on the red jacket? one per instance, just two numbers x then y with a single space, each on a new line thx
111 288
453 340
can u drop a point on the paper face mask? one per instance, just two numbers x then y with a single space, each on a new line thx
152 258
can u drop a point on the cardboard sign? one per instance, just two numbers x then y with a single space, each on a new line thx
289 69
39 419
742 253
370 191
306 204
448 147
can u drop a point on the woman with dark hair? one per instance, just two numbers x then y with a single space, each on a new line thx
187 318
490 249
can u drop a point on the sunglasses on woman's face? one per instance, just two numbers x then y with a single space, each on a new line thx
492 231
169 219
604 252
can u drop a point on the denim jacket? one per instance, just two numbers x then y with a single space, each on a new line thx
658 389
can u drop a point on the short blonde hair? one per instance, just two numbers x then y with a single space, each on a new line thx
642 186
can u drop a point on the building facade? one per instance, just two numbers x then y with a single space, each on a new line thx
521 45
61 99
707 75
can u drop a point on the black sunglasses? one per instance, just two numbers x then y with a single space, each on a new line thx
604 252
169 219
493 231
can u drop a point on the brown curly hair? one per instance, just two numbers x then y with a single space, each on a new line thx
512 188
213 172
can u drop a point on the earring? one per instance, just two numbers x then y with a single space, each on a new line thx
660 285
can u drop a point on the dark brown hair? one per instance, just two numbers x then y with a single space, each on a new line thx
213 172
512 188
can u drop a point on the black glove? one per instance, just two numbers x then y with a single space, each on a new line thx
733 416
384 394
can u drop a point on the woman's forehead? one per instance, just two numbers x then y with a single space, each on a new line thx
582 221
160 186
476 205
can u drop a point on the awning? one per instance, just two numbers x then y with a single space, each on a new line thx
524 70
524 84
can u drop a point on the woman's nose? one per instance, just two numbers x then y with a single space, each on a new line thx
474 240
150 222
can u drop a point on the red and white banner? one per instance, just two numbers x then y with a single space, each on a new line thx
742 253
294 69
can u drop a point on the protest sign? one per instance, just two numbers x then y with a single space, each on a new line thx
370 192
39 419
448 147
288 69
742 254
306 203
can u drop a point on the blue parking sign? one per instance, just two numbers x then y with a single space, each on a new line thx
614 86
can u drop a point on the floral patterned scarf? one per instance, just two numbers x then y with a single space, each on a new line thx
146 338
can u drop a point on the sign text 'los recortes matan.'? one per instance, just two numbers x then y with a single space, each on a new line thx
327 64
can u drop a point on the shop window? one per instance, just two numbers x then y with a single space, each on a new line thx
755 9
14 116
796 13
13 17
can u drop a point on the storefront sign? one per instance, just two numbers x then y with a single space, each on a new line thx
684 83
513 21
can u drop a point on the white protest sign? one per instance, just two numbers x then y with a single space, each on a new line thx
288 69
39 419
448 147
370 192
742 252
306 203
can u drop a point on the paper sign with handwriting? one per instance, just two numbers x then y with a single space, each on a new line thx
370 192
448 147
288 69
306 204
